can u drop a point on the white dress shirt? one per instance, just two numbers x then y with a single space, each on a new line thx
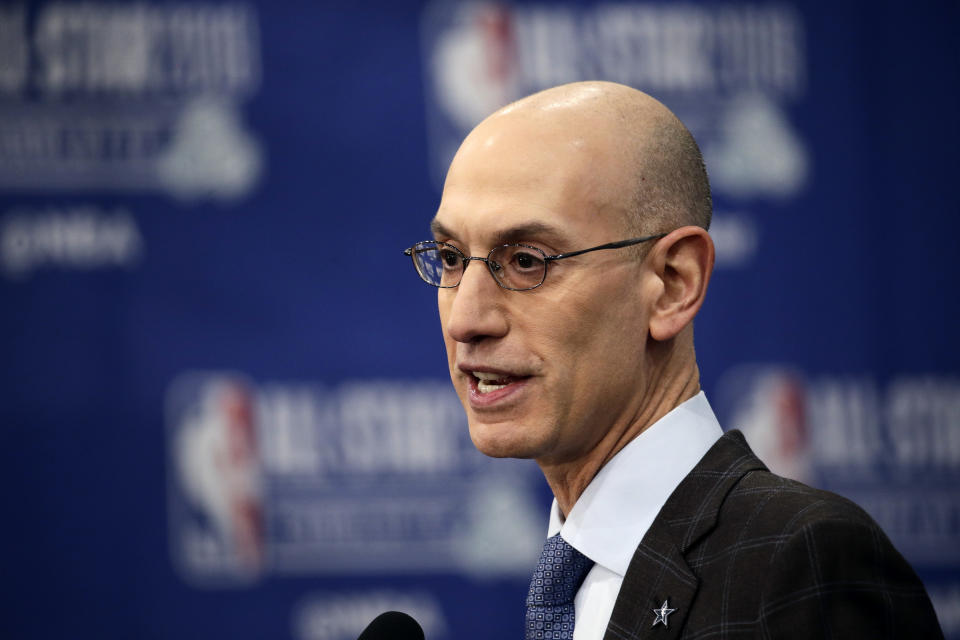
621 502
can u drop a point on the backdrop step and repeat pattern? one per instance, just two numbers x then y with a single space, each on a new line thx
224 411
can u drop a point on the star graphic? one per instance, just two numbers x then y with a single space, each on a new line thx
662 614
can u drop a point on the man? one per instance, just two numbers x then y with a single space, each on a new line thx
587 207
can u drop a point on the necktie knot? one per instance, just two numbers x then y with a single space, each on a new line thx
555 582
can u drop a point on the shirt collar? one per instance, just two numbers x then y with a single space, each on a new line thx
617 508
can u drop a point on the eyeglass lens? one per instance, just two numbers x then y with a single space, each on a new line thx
513 266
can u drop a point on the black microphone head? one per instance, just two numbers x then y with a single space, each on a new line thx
392 625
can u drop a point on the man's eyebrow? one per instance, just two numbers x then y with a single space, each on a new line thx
529 231
523 231
438 230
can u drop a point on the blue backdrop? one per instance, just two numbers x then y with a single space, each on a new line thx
224 410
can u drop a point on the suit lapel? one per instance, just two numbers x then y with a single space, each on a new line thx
659 572
658 576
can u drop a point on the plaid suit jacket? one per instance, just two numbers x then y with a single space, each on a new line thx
739 552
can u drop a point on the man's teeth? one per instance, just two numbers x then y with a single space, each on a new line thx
487 382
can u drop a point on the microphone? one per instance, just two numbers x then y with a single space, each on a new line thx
392 625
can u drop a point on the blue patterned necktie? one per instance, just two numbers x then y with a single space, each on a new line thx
555 582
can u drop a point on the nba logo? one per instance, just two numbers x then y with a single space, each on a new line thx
473 69
215 492
769 405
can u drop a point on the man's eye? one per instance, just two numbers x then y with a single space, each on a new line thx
449 258
524 260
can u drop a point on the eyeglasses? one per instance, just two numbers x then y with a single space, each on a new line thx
517 267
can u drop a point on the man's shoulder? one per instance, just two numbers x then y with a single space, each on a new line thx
751 517
731 511
759 555
732 481
805 551
762 496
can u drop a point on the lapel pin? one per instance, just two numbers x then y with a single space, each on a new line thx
662 614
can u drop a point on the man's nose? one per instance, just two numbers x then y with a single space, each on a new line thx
476 306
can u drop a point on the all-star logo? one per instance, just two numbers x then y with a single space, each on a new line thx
662 614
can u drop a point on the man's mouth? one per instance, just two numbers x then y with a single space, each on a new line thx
493 390
487 382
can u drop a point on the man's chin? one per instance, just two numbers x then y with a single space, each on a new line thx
502 440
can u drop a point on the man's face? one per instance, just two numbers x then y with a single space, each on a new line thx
543 373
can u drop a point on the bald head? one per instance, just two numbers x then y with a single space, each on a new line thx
653 169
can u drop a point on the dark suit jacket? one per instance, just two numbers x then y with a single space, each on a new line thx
741 553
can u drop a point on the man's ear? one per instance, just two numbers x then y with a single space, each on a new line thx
683 262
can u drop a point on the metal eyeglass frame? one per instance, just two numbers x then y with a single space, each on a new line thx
546 259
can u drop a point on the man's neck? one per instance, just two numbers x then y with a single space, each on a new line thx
569 479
